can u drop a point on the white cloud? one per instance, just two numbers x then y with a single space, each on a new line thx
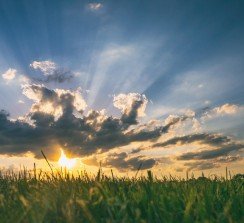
21 102
225 109
95 6
9 74
52 102
47 66
124 102
33 95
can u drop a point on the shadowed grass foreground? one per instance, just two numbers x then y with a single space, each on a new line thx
64 198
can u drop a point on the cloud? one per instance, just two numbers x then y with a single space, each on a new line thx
53 124
121 161
21 102
200 165
47 67
209 164
222 151
219 145
95 6
9 74
54 102
133 151
57 120
202 138
217 149
18 137
125 102
52 72
225 109
132 105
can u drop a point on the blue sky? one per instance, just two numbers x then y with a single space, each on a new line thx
181 55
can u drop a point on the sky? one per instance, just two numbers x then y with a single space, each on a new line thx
125 84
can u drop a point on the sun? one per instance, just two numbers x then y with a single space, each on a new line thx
66 162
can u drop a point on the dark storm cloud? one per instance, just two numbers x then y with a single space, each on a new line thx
122 161
213 163
54 124
131 117
219 149
19 137
145 135
204 138
133 151
110 134
219 146
200 165
223 150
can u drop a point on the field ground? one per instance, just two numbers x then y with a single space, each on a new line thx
63 198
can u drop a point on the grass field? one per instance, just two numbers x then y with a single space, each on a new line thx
63 198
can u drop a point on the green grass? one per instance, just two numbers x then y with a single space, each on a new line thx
64 198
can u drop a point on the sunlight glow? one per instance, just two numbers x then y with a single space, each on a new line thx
66 162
